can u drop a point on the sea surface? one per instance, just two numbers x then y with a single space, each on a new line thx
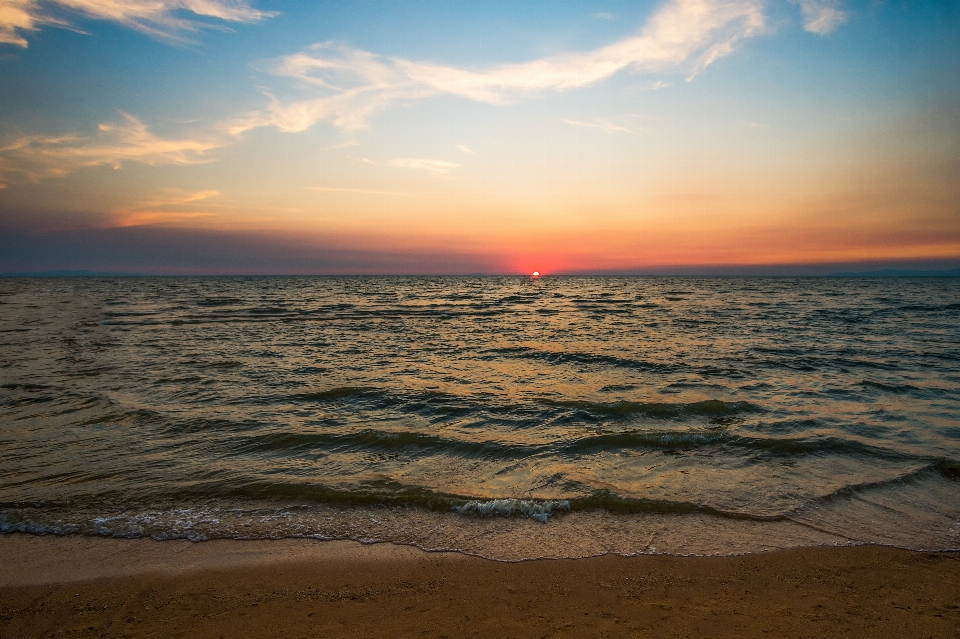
509 417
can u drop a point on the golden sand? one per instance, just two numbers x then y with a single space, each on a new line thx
88 587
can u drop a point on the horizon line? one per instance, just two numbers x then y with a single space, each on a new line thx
889 272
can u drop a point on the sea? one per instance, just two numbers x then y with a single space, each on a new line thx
506 417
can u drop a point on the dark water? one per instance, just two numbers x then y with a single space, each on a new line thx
507 417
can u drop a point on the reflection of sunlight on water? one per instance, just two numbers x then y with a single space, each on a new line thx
727 398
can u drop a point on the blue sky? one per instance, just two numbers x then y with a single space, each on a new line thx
227 136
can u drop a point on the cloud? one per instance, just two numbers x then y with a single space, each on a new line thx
33 158
348 85
17 16
656 86
599 123
821 16
465 149
345 190
438 167
176 197
158 18
171 207
151 218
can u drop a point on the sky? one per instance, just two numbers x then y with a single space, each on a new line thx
456 136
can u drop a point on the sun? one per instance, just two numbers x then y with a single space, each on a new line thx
536 274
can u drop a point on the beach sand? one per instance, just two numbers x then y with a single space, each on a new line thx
92 587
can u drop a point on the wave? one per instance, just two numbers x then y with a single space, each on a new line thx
221 301
573 357
484 406
418 443
388 441
339 392
930 308
944 468
890 388
536 510
610 501
662 410
335 312
386 511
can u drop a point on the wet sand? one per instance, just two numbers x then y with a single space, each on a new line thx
91 587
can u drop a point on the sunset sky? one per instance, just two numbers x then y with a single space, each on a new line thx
450 136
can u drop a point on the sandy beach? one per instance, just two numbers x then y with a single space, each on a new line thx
93 587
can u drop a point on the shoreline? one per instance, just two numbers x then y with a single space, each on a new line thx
92 586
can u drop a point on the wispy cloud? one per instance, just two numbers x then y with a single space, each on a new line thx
604 15
177 197
336 189
655 86
603 125
465 149
152 218
821 16
158 18
438 167
170 206
349 85
33 158
17 16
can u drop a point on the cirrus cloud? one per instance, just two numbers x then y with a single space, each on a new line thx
35 157
437 167
347 85
158 18
600 123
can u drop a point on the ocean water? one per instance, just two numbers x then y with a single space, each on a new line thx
508 417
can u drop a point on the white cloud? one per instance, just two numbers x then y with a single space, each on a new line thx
603 125
821 16
158 18
655 86
349 85
33 158
465 149
604 15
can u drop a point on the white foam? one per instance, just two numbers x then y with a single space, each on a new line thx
536 510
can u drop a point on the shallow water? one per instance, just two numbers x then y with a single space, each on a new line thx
507 417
